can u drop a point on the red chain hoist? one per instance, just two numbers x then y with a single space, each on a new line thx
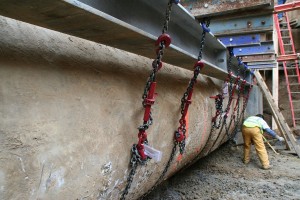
219 111
179 135
138 150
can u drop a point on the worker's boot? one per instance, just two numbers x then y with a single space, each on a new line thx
267 167
246 161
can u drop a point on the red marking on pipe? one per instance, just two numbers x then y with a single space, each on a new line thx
179 158
187 125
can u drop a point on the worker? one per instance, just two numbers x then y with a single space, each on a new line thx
253 128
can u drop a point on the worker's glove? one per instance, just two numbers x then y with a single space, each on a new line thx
281 139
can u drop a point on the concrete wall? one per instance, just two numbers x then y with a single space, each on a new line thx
69 112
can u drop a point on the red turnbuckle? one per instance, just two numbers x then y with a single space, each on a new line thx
182 121
187 103
219 96
200 64
179 135
142 137
235 84
165 38
140 146
149 101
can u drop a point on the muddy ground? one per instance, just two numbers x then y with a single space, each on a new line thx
223 175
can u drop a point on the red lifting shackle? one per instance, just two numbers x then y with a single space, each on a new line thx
179 136
163 38
200 64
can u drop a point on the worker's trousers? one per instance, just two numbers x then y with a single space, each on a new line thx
253 135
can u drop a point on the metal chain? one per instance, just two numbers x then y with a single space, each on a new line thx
168 14
159 180
241 90
185 101
205 24
217 120
133 164
229 90
230 79
245 102
157 64
223 117
237 86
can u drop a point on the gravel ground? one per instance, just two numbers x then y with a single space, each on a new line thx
223 175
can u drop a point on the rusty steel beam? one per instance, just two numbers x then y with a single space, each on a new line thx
217 8
288 57
287 7
242 25
257 58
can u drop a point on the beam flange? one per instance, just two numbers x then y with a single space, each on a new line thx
287 7
290 57
241 40
217 8
263 49
257 58
243 25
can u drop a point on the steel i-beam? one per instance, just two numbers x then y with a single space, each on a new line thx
131 25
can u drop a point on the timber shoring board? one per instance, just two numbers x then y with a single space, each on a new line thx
282 125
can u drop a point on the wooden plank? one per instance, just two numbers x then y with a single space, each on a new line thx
275 84
218 8
282 125
258 58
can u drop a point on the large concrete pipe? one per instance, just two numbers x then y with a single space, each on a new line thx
70 109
